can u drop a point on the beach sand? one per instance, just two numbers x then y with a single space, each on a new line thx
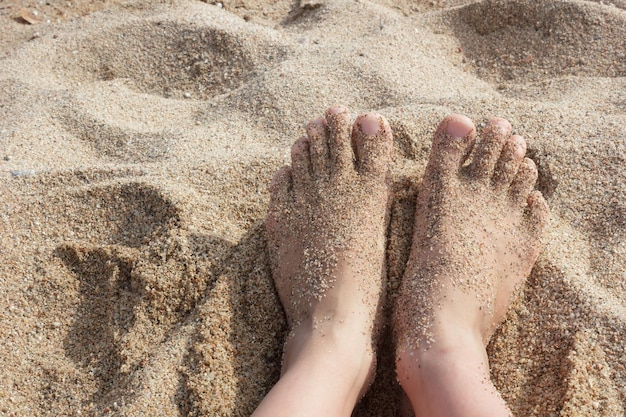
137 140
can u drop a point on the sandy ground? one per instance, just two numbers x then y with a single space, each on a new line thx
137 140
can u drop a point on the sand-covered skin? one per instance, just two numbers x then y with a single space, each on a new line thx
137 143
327 221
477 235
478 226
326 239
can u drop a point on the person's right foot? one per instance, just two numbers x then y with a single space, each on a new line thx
477 236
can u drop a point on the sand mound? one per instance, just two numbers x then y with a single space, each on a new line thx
559 38
169 57
136 143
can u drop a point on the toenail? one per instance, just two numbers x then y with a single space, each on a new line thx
520 145
502 124
370 124
315 126
458 127
337 109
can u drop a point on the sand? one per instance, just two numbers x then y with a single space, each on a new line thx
137 140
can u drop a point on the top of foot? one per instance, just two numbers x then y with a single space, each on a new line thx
327 220
477 233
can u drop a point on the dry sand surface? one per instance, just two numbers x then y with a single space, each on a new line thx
137 140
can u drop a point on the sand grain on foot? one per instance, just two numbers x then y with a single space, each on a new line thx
137 141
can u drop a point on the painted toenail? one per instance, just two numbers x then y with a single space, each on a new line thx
337 109
370 124
459 128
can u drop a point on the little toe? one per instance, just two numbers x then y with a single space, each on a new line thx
301 164
523 183
339 148
372 142
510 159
489 148
280 185
279 189
317 133
538 213
452 144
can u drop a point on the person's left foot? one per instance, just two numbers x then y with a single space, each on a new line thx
326 236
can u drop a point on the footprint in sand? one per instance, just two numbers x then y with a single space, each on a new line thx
566 375
200 58
162 64
130 274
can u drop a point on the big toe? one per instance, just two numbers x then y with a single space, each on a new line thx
452 143
372 142
280 185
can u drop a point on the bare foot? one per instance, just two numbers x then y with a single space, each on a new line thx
476 238
326 236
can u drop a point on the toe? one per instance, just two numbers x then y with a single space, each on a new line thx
317 133
280 185
523 182
372 142
538 212
301 164
339 148
279 188
489 148
512 155
452 143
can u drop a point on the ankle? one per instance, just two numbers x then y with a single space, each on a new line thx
327 347
320 365
450 378
447 347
